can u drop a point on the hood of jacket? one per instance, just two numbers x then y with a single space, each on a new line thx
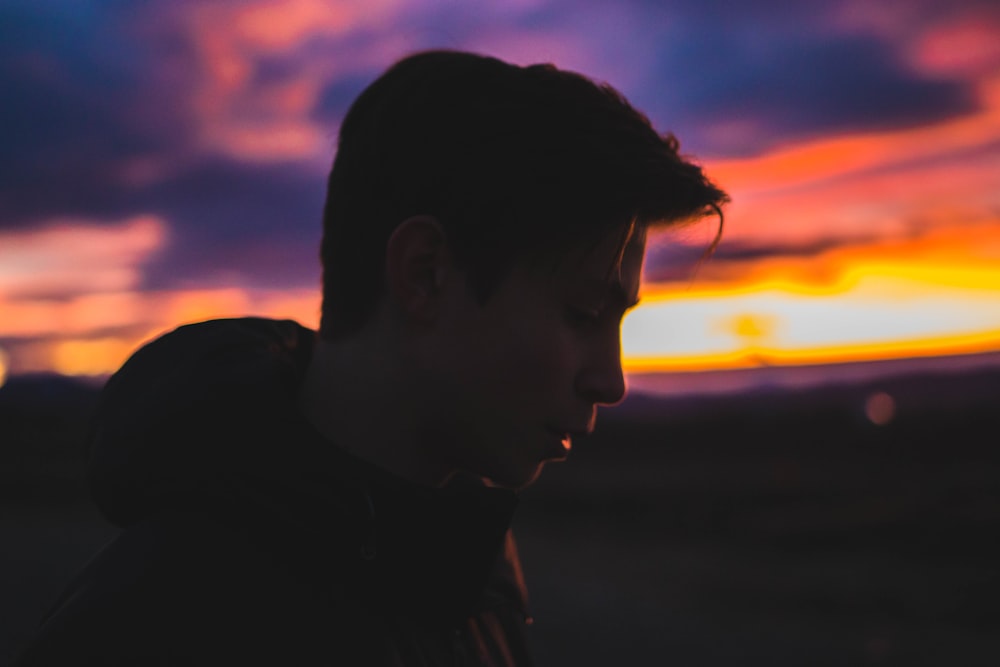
205 417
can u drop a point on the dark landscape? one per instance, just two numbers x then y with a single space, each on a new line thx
770 528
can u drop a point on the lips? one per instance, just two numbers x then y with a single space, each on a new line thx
563 439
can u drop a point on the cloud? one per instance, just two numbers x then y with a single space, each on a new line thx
893 203
70 257
104 97
100 123
960 45
729 78
108 103
85 100
902 19
165 161
743 93
93 334
237 223
964 251
265 66
71 277
115 110
219 119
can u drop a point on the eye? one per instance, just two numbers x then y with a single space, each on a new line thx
583 317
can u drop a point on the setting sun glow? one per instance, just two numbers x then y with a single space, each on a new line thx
876 310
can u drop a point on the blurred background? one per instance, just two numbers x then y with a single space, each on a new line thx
806 470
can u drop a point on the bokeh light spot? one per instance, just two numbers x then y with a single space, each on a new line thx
880 408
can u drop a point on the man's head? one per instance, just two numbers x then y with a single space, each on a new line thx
516 163
500 214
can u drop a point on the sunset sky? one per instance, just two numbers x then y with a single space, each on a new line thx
164 162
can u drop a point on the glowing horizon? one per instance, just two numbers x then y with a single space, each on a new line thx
873 310
935 295
742 328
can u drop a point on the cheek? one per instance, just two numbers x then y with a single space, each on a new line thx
540 356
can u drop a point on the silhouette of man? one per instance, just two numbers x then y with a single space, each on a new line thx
343 497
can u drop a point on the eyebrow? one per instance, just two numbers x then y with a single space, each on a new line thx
615 292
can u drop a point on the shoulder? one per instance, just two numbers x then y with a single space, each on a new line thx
191 588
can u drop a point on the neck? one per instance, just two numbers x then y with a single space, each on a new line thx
358 401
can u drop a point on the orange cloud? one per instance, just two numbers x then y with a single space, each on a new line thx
76 256
93 356
835 157
277 27
261 121
71 278
956 250
81 314
878 183
93 334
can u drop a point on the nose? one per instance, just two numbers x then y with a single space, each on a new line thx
602 380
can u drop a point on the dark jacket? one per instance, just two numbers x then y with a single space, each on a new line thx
248 538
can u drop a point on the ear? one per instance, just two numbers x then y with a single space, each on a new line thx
418 261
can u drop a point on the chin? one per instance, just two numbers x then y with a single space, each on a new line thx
515 480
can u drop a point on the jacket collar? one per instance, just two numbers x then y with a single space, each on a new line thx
417 548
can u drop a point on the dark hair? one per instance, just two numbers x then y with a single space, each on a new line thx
514 162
